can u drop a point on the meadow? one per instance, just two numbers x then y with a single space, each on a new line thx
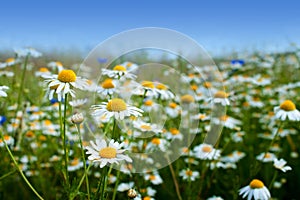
138 133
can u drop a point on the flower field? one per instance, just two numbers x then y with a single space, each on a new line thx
136 133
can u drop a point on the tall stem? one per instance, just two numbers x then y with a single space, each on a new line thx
174 178
19 168
64 142
22 82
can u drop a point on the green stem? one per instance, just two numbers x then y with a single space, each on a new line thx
7 174
116 185
84 161
64 142
85 175
19 168
174 179
273 179
105 183
22 82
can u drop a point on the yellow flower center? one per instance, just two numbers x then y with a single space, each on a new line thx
116 105
108 152
189 172
255 183
58 63
207 84
161 86
67 76
288 105
148 84
29 134
221 94
75 162
187 98
156 141
146 127
129 64
267 155
207 149
224 118
107 84
9 60
152 177
172 105
43 69
174 131
202 116
148 103
119 68
194 87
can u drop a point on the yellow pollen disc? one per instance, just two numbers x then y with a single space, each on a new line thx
256 99
207 149
147 198
172 105
221 94
187 98
42 138
224 118
116 105
148 103
129 64
108 152
255 183
75 162
89 82
67 76
185 150
119 68
174 131
207 84
288 105
148 84
267 155
107 84
155 141
246 104
202 116
152 177
9 60
58 63
194 87
161 86
43 69
191 75
47 122
146 127
29 134
188 173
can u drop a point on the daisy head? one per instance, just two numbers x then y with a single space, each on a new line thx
287 110
103 153
116 108
255 189
281 165
221 97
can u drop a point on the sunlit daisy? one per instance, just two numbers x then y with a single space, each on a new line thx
56 65
188 174
122 187
287 110
206 152
108 87
106 154
76 103
266 157
116 108
9 140
215 198
281 165
63 83
221 97
154 178
163 92
117 72
42 71
149 105
173 110
146 127
75 164
174 133
156 142
9 62
3 89
28 51
255 189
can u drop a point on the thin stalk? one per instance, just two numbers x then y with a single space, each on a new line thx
273 179
19 168
174 178
116 185
22 82
64 142
84 161
8 174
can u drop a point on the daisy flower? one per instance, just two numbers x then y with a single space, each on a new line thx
28 51
9 140
148 105
76 103
266 157
188 174
215 198
154 178
122 187
156 142
173 110
9 62
108 87
2 91
280 164
255 189
163 92
62 83
75 164
287 110
56 65
227 121
117 72
174 133
42 71
106 154
116 108
221 97
206 152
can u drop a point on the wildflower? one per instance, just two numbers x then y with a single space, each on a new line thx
9 62
228 122
174 133
2 91
108 87
42 71
255 189
287 110
266 157
221 97
117 72
77 118
188 174
131 193
62 83
163 92
125 186
116 108
157 143
56 65
215 198
28 51
9 140
146 127
280 164
104 154
154 178
173 110
206 152
75 164
78 102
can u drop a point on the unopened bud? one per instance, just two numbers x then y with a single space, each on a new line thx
77 118
131 193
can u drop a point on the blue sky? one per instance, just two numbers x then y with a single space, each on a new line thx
218 25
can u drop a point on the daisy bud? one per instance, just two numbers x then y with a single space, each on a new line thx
131 193
77 118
